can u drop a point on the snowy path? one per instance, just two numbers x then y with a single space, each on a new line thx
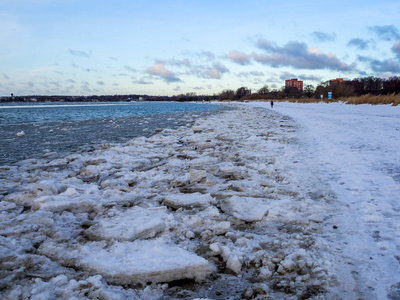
357 150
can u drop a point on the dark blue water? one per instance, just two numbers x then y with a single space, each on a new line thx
28 113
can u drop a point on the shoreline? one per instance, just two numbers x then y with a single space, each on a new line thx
250 202
56 139
218 191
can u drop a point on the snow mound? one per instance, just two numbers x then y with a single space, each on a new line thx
132 224
136 262
245 208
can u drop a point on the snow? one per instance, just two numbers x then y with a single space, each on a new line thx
356 152
298 201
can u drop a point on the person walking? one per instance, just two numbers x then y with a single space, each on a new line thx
272 104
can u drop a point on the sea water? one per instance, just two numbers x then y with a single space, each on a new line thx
55 129
25 113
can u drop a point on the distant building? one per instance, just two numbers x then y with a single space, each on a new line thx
336 81
294 83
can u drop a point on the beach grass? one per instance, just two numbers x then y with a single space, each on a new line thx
393 99
390 99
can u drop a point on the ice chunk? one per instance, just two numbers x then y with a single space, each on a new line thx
132 224
135 262
45 187
220 227
197 175
176 163
227 169
205 160
62 203
245 208
234 264
70 192
215 248
316 218
204 145
188 200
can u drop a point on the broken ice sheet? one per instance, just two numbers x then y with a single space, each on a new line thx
248 209
135 262
132 224
188 200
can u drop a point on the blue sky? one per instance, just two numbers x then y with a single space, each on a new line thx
58 47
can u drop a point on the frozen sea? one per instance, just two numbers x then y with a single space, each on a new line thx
296 202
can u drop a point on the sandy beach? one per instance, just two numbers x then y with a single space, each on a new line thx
234 206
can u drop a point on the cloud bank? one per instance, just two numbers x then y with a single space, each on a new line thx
386 33
381 66
297 55
396 49
239 57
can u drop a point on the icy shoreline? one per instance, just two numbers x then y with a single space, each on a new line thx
58 138
229 208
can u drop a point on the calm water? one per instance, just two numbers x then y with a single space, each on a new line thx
28 113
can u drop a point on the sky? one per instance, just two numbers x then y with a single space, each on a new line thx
159 47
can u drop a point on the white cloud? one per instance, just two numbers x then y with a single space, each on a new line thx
158 69
396 49
239 57
214 73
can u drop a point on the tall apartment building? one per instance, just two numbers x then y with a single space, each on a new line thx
290 83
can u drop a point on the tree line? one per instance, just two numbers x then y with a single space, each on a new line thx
108 98
356 87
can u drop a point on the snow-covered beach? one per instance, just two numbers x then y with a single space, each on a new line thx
356 149
301 201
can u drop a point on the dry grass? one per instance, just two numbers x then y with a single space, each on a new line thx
393 99
310 100
302 100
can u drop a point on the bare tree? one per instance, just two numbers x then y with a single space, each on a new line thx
241 92
264 90
309 90
226 95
